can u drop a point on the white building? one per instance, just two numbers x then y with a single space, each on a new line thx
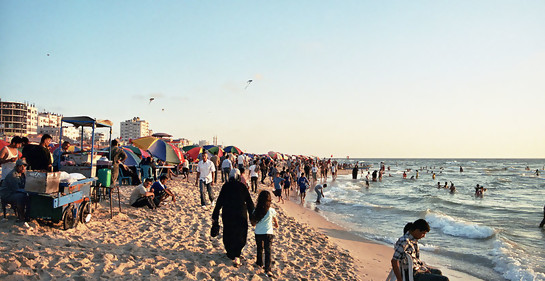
31 120
203 142
48 119
133 129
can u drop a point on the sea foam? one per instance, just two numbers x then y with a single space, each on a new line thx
458 228
512 263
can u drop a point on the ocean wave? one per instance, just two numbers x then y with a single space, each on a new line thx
458 228
512 264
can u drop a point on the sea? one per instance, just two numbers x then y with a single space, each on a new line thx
495 237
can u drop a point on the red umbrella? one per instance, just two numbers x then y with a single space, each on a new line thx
178 152
3 143
194 153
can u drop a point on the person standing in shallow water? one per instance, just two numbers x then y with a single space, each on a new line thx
543 221
355 172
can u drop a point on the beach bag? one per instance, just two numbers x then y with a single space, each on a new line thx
215 230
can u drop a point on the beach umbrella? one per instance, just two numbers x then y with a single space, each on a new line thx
138 151
161 135
132 159
214 149
3 143
233 149
178 152
144 142
189 147
194 153
164 151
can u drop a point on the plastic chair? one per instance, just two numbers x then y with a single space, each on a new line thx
406 267
146 172
124 178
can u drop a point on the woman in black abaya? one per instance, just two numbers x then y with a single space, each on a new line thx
235 202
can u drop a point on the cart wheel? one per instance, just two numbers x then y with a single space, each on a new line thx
84 214
68 220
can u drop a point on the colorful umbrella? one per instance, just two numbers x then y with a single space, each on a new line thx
233 149
144 142
178 152
189 147
132 159
214 149
164 151
194 153
138 151
3 143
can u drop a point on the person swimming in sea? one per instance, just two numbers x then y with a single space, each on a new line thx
452 188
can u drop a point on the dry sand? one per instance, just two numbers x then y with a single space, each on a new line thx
173 243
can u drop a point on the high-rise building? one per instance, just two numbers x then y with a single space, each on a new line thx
134 128
13 118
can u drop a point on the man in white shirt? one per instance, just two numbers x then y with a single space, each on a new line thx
226 167
205 168
141 196
240 161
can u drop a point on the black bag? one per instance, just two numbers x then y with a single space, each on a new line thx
215 230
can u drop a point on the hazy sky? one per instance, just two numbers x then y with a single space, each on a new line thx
342 78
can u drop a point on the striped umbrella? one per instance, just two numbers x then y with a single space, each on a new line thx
144 142
233 149
214 149
164 151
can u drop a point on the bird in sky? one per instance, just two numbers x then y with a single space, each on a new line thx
151 99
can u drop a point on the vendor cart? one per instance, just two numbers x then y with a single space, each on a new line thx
68 203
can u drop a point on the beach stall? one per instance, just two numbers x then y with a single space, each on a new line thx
65 196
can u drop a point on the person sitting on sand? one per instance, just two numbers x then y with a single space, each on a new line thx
303 183
407 247
319 189
278 181
235 204
161 191
141 197
12 191
264 218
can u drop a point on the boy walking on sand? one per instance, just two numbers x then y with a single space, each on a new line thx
303 184
278 187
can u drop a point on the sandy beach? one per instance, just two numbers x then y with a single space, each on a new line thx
173 243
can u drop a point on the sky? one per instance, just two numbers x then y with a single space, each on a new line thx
369 79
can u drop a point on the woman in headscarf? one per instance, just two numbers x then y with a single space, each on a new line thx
235 202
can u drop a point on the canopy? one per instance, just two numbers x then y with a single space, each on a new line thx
87 121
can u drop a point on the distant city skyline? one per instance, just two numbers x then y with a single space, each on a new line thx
419 79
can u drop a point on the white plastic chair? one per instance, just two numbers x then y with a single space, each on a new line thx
406 270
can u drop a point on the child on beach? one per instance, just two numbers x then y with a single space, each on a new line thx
278 181
263 219
303 184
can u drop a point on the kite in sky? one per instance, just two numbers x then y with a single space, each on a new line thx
248 83
150 100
